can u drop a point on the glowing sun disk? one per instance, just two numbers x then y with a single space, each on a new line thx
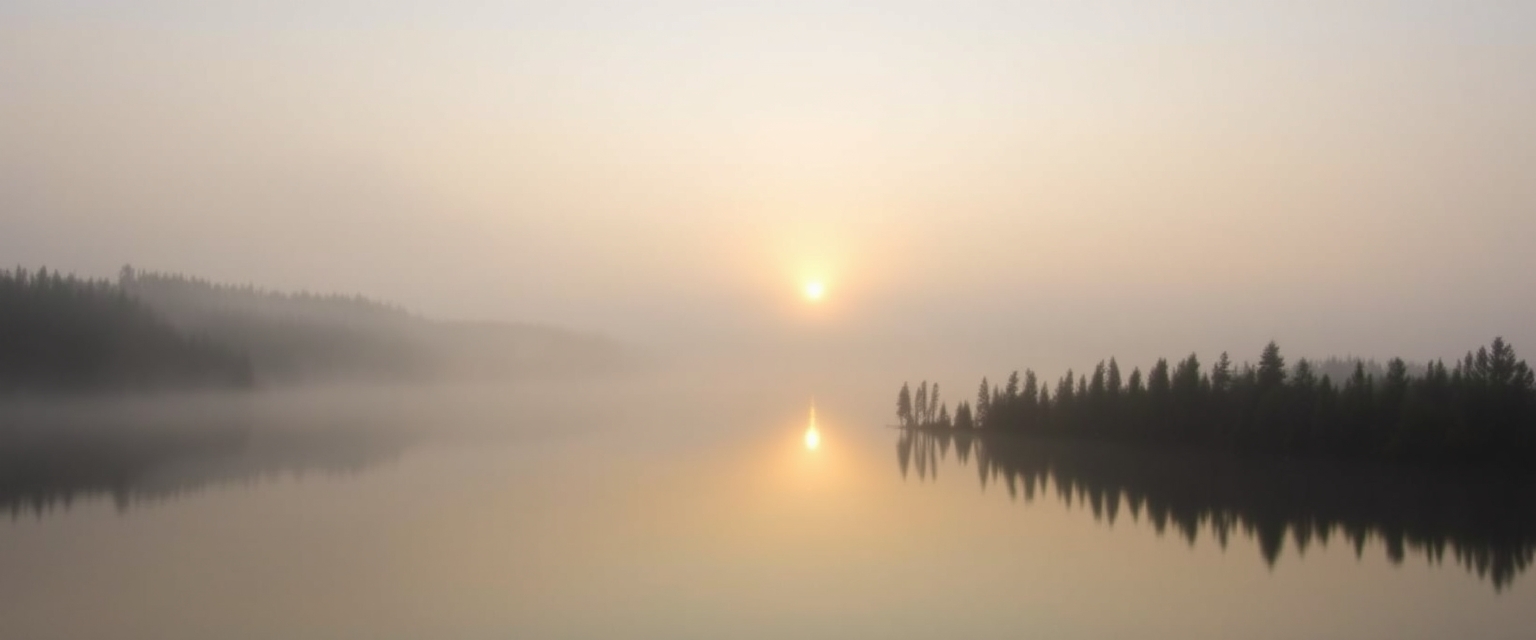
814 290
812 434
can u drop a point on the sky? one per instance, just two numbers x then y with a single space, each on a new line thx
991 184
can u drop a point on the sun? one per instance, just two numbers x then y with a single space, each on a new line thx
814 290
812 434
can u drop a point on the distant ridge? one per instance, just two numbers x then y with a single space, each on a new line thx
301 337
158 331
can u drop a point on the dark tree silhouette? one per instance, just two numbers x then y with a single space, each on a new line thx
920 404
1481 410
963 418
154 330
62 333
983 402
904 406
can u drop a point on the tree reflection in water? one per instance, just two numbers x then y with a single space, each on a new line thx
1485 522
47 467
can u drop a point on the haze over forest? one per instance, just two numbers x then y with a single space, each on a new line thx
979 185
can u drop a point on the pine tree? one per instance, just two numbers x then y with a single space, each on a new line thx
1271 367
1221 374
963 417
904 406
983 404
920 404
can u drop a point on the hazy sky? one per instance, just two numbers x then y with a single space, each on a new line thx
1014 181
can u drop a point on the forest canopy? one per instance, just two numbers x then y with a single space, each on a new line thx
153 330
63 333
1479 409
303 337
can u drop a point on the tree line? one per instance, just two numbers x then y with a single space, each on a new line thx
64 333
307 337
290 337
151 330
180 296
1479 409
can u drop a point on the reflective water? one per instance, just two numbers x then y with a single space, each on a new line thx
668 512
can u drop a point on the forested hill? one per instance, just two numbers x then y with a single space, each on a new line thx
156 331
300 337
189 299
62 333
1481 409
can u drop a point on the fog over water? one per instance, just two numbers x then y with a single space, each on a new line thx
671 509
640 282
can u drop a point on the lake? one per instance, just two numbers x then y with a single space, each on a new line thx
685 508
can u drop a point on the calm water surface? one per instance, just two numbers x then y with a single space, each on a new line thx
669 512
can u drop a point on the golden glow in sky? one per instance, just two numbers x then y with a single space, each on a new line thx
767 158
812 435
814 290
